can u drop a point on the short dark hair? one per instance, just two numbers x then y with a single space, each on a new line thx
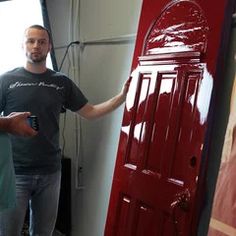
40 27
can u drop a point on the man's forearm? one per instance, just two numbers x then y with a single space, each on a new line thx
109 105
95 111
16 123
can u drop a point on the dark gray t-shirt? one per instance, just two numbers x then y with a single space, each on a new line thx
43 95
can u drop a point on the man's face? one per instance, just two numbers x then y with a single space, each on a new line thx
36 45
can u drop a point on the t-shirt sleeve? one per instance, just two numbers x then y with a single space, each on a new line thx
75 99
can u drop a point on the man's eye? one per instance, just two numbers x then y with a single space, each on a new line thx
30 41
42 42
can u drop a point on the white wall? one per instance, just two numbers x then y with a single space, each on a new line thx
103 69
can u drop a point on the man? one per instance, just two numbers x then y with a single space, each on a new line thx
16 123
37 162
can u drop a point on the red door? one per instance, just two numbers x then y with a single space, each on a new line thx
163 133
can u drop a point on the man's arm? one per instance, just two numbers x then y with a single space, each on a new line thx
16 123
90 111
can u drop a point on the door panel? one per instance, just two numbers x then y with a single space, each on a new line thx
164 125
157 162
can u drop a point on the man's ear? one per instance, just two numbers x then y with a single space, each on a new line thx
50 47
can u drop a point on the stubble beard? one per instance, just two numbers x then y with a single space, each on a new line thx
36 60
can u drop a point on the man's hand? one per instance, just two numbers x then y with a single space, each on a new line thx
16 123
125 88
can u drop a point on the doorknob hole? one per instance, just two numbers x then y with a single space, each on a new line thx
193 161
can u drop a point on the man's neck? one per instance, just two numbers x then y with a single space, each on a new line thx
36 68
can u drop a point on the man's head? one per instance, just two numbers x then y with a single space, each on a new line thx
36 44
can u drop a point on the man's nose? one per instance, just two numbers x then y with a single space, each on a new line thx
36 44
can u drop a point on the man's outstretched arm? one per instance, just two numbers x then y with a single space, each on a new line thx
90 111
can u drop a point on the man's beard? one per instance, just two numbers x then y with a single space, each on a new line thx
38 59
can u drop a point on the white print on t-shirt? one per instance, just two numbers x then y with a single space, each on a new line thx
39 84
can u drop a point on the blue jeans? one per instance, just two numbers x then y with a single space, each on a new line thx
41 194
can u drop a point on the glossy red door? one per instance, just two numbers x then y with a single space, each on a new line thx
163 132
